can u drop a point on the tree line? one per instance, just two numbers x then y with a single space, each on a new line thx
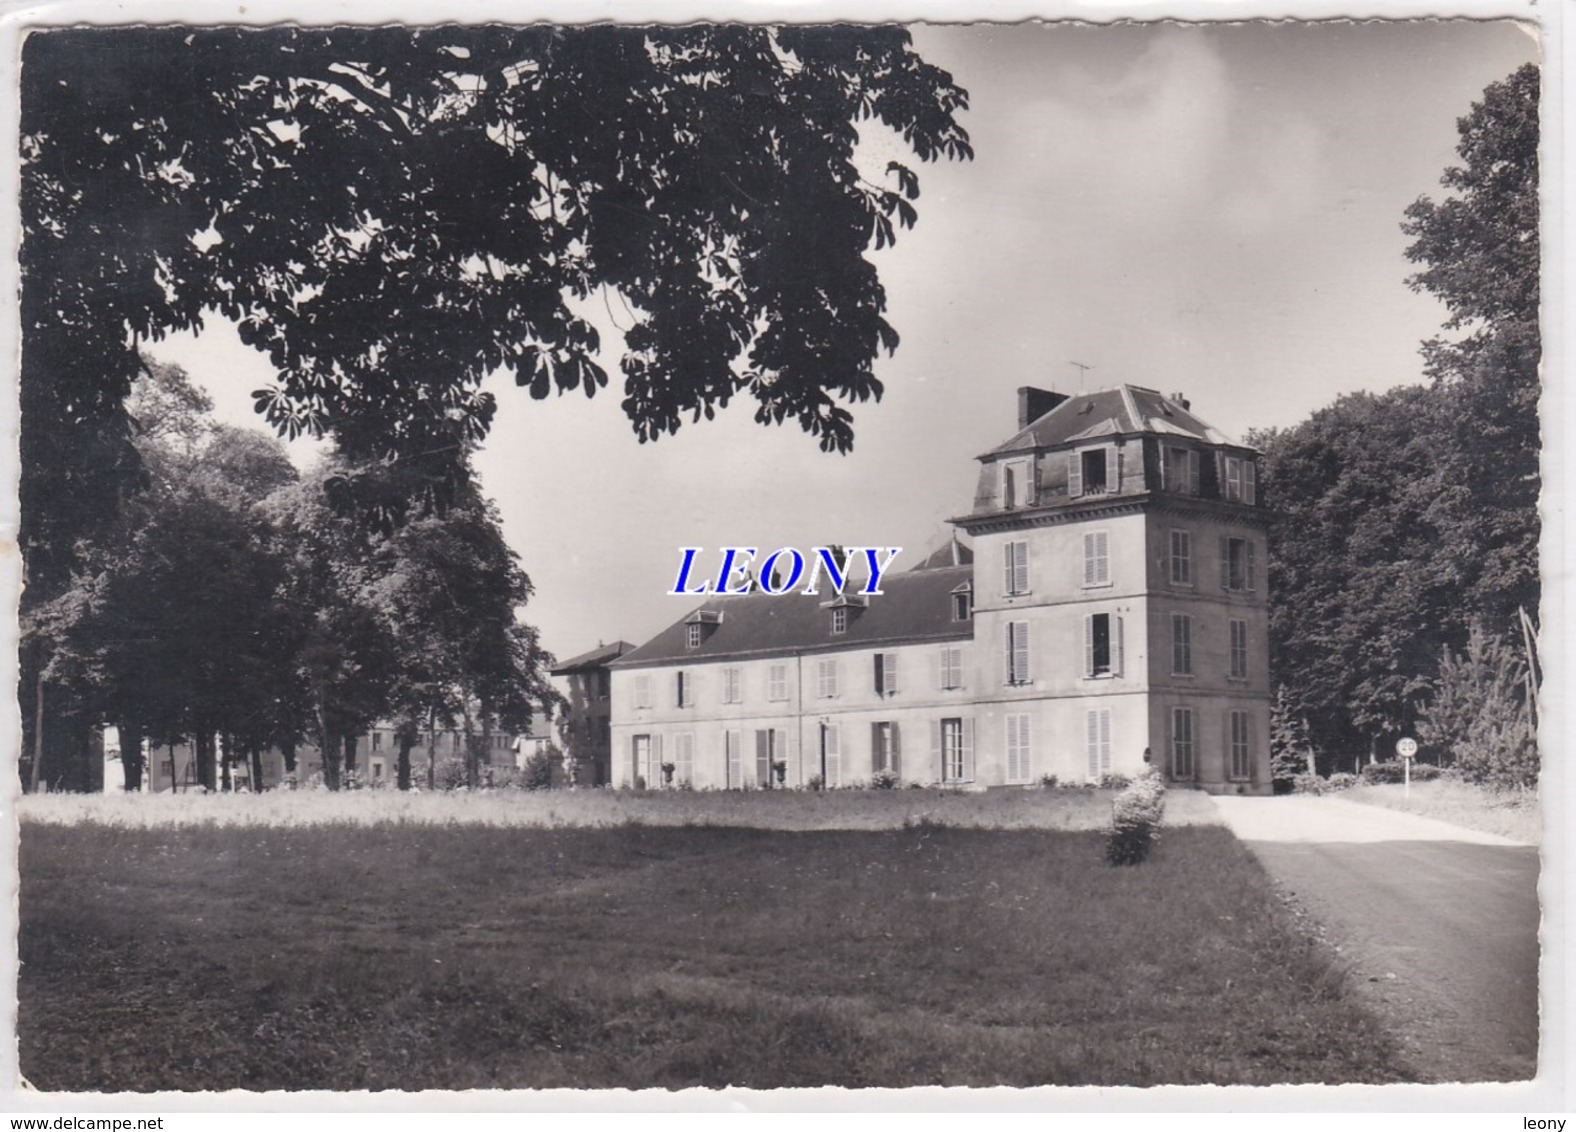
1403 555
230 603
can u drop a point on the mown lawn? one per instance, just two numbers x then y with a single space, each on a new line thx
403 956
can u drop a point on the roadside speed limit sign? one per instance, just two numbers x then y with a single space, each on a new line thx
1406 748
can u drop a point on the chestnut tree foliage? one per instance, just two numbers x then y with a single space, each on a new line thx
391 214
1406 524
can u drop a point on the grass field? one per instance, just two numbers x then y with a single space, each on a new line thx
759 809
415 956
1516 816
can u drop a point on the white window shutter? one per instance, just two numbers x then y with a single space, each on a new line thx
1250 485
1113 468
897 748
1020 658
1092 741
1007 567
1074 474
1088 644
968 749
935 749
891 672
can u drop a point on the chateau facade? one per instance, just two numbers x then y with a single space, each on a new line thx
1113 612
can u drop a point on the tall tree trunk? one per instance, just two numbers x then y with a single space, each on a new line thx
132 764
175 783
432 748
288 750
204 754
406 738
255 754
328 740
350 754
470 754
487 737
226 742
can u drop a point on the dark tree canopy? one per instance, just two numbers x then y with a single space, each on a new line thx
1404 523
392 214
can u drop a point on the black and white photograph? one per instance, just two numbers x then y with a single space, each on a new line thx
743 558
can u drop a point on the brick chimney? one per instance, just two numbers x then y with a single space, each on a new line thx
1183 401
1035 403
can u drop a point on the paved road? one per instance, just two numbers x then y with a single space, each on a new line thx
1439 924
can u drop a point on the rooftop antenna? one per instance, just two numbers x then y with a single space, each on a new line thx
1082 370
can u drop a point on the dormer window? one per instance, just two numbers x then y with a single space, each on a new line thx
1093 466
963 602
1016 484
1240 480
700 625
1093 471
1179 469
843 609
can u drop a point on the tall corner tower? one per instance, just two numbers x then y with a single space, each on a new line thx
1119 596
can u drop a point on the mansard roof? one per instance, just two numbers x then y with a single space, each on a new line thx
595 658
912 607
1127 410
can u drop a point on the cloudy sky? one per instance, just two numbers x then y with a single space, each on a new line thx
1210 209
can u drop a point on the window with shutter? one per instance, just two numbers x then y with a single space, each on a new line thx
1015 566
683 759
1250 484
1075 486
683 693
731 686
832 755
1238 668
1239 724
1181 558
1017 641
953 761
886 673
1095 465
951 668
826 678
1096 558
777 682
1181 644
732 773
643 691
1182 744
1099 639
1237 564
1018 748
763 759
1017 488
1097 740
1233 478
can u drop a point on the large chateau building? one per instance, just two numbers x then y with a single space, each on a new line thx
1113 612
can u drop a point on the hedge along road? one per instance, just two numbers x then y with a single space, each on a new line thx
1438 924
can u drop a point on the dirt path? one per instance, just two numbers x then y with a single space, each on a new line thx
1439 924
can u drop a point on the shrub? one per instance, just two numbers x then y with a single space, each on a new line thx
537 773
1115 781
885 780
1479 714
1341 781
1135 819
1395 772
1048 782
815 782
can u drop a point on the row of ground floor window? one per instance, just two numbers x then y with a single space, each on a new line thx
1220 746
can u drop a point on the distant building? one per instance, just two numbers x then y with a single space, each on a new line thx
586 722
1114 609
